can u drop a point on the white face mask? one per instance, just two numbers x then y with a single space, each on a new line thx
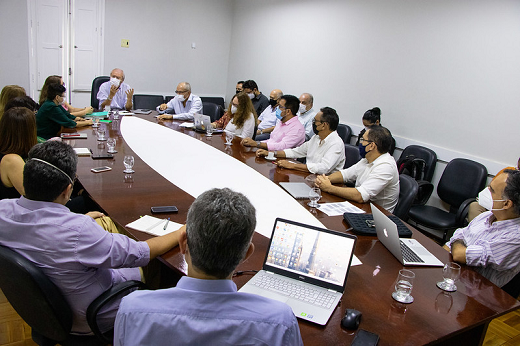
115 82
180 97
485 199
233 109
302 108
251 95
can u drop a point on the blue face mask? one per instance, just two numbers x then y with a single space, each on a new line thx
279 113
362 150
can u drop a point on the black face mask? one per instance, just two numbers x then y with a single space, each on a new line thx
314 129
238 91
272 102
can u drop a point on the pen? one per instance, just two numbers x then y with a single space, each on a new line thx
166 224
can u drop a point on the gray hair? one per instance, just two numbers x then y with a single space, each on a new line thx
187 86
219 229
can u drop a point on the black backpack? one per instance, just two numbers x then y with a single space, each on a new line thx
412 166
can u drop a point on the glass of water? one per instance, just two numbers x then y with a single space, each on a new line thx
403 286
96 121
450 273
107 109
116 114
101 131
128 161
111 143
209 129
314 196
229 137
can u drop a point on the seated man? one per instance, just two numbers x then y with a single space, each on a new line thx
325 152
182 106
288 133
306 113
375 175
267 120
491 242
259 100
239 88
115 93
80 257
205 307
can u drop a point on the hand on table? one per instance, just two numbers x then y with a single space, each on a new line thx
95 214
323 182
284 164
165 117
163 107
248 142
262 152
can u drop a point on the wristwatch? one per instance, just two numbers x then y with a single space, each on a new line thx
258 144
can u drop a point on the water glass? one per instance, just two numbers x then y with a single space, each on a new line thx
96 121
111 143
229 137
314 196
403 286
450 273
107 109
128 161
101 131
116 115
209 129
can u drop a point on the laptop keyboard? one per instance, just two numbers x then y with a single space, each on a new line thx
303 293
408 254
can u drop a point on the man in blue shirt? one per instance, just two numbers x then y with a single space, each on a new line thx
205 307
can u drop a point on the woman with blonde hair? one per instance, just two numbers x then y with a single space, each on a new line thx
77 112
8 93
243 116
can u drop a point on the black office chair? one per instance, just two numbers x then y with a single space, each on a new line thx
212 110
96 83
351 155
216 100
147 101
408 189
513 286
42 306
428 159
460 183
168 98
345 132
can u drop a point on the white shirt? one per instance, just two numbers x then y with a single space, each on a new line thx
306 120
246 130
267 118
193 105
119 99
377 181
323 156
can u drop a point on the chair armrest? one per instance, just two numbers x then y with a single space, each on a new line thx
114 292
462 212
424 192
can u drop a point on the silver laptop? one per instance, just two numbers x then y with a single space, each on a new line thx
306 267
297 190
200 122
408 251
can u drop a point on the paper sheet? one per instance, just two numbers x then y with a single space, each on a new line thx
335 209
153 225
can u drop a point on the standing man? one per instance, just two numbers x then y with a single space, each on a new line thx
205 307
182 106
306 114
115 93
267 120
288 132
260 102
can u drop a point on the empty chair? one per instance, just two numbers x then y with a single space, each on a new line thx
429 156
460 183
168 98
147 101
96 83
351 155
408 188
427 160
345 132
212 110
216 100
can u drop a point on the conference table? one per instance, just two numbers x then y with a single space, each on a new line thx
435 316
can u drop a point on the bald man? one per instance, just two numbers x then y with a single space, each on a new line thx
267 119
182 106
115 93
306 114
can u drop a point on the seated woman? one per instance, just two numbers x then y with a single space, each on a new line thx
17 137
373 117
77 112
27 102
52 116
8 93
243 120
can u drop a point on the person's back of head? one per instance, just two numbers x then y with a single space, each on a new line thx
373 116
17 131
292 103
8 93
382 138
22 101
55 89
50 168
330 116
54 79
219 229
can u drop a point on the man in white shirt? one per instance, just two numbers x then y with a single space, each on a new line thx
375 175
267 120
182 106
325 152
115 93
306 114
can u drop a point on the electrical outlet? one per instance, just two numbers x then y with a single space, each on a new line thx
125 43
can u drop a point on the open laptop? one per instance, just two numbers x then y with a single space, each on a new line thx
305 267
407 251
200 122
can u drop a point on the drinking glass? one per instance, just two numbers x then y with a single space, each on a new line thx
116 115
314 196
450 273
111 143
209 129
96 122
128 161
403 286
229 137
101 133
107 109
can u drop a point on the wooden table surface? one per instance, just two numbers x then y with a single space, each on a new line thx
435 317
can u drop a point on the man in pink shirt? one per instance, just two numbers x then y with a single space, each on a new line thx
288 132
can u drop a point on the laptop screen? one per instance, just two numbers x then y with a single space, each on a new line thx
310 254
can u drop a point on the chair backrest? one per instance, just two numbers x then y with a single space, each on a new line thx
429 156
345 132
34 296
168 98
461 179
212 110
351 155
408 189
216 100
96 83
513 286
147 101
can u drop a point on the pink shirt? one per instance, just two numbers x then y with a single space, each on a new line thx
286 135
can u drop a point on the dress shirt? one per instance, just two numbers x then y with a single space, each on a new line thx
323 156
73 251
260 103
247 129
267 118
306 120
119 99
179 112
377 181
204 312
286 135
493 248
50 118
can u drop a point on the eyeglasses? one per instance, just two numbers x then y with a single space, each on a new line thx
282 108
180 92
314 121
365 140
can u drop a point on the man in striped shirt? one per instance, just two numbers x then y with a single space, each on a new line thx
491 242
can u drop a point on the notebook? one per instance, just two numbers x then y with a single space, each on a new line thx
363 224
297 190
154 225
305 267
407 251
